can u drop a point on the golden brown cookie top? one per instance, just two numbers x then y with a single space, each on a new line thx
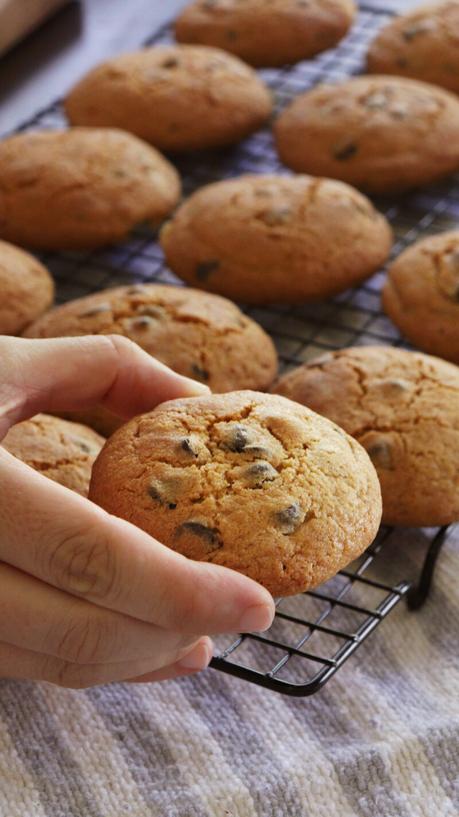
377 132
251 481
423 43
403 407
272 241
58 449
82 187
178 97
427 274
421 294
26 289
266 32
199 335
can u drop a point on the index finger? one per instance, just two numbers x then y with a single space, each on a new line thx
65 374
79 548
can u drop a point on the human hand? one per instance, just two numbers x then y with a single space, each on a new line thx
87 598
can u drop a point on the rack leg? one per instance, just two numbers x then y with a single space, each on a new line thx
417 594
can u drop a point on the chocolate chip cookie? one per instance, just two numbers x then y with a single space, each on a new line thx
421 294
58 449
177 97
81 188
403 407
266 32
423 44
381 134
26 289
276 239
246 480
202 336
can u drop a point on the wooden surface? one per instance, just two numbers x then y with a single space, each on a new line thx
49 61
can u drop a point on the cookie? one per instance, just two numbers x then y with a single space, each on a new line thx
266 239
177 97
246 480
266 32
403 407
202 336
423 44
381 134
81 188
58 449
421 294
26 289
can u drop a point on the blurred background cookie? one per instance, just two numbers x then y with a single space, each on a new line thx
59 449
423 44
266 33
381 134
421 294
266 239
202 336
403 407
26 289
81 188
246 480
176 97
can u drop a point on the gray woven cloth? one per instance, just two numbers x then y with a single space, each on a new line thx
380 740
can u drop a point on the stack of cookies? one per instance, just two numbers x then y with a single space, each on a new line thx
280 478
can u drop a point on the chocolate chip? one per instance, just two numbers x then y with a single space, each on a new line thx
231 35
200 373
237 439
380 454
96 310
347 151
275 217
209 535
206 268
290 518
170 62
186 445
142 322
410 33
84 447
162 493
260 472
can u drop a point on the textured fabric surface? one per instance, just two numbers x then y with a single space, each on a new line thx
380 740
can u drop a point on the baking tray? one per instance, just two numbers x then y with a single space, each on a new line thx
314 633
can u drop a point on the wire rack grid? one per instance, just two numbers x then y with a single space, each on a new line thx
314 633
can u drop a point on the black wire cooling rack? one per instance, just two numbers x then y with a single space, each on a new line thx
314 633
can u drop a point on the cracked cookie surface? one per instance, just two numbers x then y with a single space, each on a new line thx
382 134
246 480
271 242
81 188
423 44
199 335
58 449
177 97
266 32
26 289
421 294
403 407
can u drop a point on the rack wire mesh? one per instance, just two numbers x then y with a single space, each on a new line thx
316 632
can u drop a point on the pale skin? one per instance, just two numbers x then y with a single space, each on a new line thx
87 598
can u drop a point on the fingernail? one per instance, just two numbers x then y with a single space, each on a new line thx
257 618
197 659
